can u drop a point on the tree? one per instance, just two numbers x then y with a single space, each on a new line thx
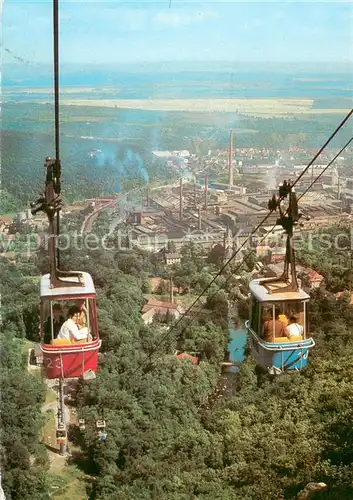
216 255
163 288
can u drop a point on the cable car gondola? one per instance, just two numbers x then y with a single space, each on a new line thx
61 434
275 300
74 354
81 424
101 430
65 358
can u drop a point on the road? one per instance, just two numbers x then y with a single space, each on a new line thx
87 224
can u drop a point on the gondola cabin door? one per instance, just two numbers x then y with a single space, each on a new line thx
69 330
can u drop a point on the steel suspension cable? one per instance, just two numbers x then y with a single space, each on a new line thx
327 166
56 108
345 119
167 335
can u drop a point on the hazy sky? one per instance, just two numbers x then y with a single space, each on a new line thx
111 32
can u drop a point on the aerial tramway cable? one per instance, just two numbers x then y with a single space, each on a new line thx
345 119
327 166
167 335
56 111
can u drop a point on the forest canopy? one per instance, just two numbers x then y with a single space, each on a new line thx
170 436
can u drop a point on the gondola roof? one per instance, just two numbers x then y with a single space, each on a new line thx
262 294
87 287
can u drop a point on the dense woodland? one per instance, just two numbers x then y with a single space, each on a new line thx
168 437
118 168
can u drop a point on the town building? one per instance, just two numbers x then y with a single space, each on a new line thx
161 309
171 258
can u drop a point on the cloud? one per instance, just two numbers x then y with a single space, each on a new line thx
174 19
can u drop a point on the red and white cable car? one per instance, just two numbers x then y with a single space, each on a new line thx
64 358
68 358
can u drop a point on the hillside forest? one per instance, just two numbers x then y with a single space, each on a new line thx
172 434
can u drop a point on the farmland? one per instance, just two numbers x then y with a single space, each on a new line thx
252 107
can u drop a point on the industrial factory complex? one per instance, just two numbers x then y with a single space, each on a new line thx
219 198
205 211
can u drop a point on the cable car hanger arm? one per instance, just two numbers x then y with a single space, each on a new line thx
50 201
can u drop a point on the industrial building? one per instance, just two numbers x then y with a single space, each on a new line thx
209 212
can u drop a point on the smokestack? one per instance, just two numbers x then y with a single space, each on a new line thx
181 199
148 196
195 199
199 219
206 192
338 185
230 158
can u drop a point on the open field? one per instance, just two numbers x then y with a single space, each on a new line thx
255 107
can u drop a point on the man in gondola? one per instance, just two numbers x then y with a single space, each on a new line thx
58 320
274 328
70 330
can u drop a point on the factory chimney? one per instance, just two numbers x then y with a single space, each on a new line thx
181 199
148 196
206 192
230 158
338 185
195 198
199 219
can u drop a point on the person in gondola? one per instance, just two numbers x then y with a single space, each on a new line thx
294 328
274 326
58 320
82 322
70 330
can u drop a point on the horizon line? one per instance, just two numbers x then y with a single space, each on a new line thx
185 62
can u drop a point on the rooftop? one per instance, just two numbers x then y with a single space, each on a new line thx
185 355
159 305
172 255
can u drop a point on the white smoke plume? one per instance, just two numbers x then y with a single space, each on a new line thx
271 179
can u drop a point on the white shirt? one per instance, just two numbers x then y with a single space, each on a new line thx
295 330
69 331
